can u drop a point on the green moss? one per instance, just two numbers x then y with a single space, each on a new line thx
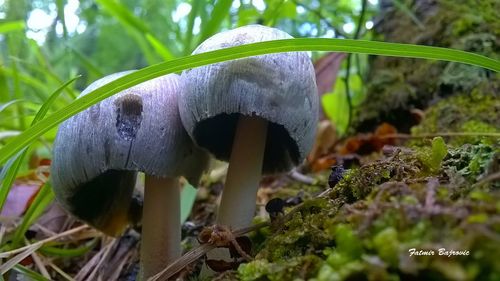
387 245
433 156
365 227
475 113
302 232
470 163
298 268
396 85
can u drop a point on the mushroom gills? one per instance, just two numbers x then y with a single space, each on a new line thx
104 202
216 134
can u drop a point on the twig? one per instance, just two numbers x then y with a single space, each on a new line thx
197 253
101 261
442 134
2 232
41 242
430 197
41 267
60 271
18 258
492 177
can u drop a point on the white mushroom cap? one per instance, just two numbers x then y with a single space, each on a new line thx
280 88
98 151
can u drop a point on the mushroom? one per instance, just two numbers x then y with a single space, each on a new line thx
258 113
98 153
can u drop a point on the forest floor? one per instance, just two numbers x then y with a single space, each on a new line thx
374 206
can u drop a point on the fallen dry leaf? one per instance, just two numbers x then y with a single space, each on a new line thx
326 69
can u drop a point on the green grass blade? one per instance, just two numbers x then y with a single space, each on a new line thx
48 103
219 13
18 95
46 68
11 26
123 15
159 47
61 16
287 45
39 86
195 7
8 175
32 275
188 196
9 172
8 134
7 104
68 253
127 18
89 65
43 198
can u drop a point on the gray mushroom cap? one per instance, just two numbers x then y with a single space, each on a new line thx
280 88
98 152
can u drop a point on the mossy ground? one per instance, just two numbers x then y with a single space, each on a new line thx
396 86
365 227
428 195
432 196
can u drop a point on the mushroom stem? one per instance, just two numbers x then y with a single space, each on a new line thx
161 225
237 205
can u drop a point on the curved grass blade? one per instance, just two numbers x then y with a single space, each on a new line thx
127 18
277 46
33 275
10 170
10 26
42 199
7 104
68 253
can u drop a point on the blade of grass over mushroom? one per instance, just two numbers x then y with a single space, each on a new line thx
9 172
47 104
277 46
43 198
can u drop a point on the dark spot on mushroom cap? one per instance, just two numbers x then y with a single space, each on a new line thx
216 134
128 116
104 199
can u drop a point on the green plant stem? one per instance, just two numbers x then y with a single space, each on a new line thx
348 66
